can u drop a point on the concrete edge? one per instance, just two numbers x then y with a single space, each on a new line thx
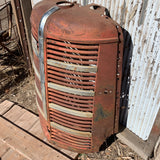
142 148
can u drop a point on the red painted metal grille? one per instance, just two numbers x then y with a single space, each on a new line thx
70 140
71 101
64 106
71 78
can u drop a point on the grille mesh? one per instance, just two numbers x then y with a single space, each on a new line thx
71 110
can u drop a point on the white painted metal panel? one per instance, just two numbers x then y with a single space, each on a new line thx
142 20
78 1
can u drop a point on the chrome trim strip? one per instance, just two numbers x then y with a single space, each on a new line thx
72 67
71 111
76 91
36 71
34 45
41 53
71 131
38 92
40 110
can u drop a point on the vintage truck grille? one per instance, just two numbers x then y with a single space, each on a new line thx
71 73
77 53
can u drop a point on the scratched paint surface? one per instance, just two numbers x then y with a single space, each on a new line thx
141 73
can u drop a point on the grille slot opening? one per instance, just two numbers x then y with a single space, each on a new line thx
71 125
69 110
70 105
71 79
64 51
76 118
70 121
65 141
70 101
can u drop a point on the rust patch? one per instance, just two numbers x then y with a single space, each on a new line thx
133 12
100 113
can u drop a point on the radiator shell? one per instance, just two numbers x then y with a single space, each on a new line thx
82 62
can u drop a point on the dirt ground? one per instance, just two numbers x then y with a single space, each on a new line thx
23 94
112 149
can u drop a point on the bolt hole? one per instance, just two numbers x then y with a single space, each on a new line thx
64 4
105 91
94 7
48 129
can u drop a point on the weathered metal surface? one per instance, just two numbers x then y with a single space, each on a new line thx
71 131
23 36
72 67
82 61
70 90
70 111
40 110
34 2
38 92
141 19
34 45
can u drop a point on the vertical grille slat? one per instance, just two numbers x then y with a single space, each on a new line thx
71 90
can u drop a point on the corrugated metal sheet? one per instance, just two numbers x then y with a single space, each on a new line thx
140 100
82 2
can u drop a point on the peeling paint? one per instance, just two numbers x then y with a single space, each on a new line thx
100 113
143 12
133 12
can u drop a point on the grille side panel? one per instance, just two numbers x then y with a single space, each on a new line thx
105 95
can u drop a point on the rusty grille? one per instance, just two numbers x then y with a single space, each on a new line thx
69 140
71 73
